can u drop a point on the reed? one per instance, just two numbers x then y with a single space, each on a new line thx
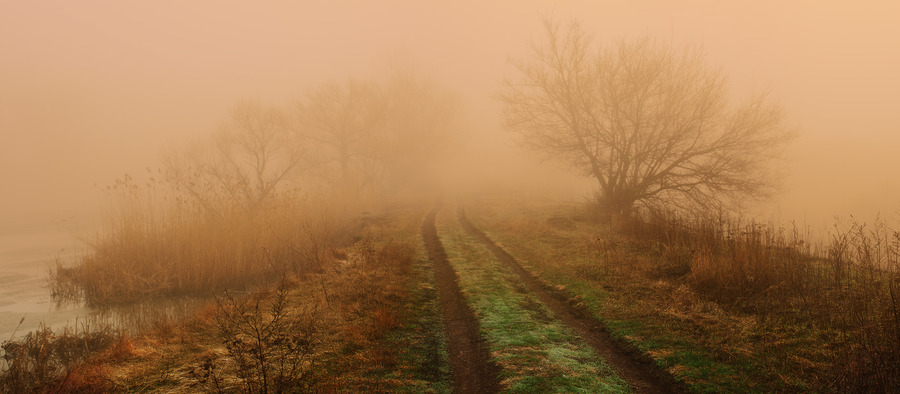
848 288
154 243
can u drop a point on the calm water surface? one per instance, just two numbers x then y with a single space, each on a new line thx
26 253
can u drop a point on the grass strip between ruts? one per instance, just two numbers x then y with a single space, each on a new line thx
536 352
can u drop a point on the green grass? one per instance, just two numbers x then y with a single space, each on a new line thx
535 351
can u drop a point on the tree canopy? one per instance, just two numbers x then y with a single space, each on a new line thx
650 122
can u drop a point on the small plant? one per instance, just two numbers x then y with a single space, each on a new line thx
270 340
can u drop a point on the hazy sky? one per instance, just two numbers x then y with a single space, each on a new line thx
90 90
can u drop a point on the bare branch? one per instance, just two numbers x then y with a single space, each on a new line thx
651 123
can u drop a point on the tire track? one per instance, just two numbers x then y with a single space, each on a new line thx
632 366
470 364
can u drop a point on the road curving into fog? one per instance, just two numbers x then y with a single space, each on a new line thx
636 369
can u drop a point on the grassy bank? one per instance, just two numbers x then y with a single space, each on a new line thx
654 303
536 352
368 321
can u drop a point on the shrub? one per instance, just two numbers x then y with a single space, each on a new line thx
45 360
270 340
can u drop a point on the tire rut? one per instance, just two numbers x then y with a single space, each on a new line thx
470 364
632 366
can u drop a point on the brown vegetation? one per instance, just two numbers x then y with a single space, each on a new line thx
721 304
51 361
151 247
368 321
849 291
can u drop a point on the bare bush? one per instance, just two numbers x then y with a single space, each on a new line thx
269 339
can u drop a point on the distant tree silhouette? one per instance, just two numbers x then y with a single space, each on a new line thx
343 120
377 135
252 156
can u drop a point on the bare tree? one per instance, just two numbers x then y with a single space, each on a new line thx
344 120
377 135
650 122
252 156
420 119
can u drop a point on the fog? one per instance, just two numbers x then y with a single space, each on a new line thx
92 90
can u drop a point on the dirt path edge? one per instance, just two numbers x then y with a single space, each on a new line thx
470 365
634 367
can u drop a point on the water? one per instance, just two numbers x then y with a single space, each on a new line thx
26 254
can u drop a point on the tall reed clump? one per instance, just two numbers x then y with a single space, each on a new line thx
155 243
733 261
848 289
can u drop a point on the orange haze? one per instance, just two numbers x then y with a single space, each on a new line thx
90 90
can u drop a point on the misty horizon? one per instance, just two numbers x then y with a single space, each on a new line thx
92 91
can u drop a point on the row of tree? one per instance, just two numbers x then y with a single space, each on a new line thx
354 138
650 122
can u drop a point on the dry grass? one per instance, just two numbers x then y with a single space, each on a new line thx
368 321
155 245
724 305
372 321
51 361
850 291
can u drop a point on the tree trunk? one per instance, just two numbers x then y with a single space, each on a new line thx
617 207
346 176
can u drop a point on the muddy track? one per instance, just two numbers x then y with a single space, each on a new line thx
635 368
470 364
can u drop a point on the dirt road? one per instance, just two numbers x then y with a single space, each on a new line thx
470 364
638 370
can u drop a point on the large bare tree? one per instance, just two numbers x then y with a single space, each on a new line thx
649 121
